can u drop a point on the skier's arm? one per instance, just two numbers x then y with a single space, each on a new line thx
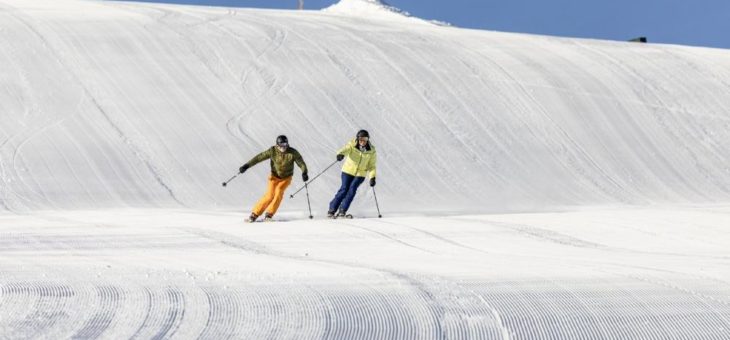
371 165
259 158
345 149
300 162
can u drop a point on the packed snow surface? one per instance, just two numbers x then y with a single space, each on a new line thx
531 186
602 274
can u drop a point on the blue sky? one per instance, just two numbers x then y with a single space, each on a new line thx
686 22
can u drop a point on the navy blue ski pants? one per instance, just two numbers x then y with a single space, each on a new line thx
344 196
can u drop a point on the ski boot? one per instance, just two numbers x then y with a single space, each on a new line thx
330 214
268 218
252 218
343 214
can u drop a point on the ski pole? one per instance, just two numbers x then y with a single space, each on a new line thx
376 203
308 204
230 179
312 180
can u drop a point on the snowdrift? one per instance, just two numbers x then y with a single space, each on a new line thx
112 104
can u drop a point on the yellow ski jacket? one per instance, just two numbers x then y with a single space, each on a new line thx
358 163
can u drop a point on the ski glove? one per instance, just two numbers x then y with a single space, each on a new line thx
372 182
340 157
243 168
305 177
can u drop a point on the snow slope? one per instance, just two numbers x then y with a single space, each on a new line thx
109 104
611 274
119 121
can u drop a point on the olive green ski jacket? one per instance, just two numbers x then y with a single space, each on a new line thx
282 163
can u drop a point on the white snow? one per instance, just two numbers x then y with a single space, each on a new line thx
531 186
367 8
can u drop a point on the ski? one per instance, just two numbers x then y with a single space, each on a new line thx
348 216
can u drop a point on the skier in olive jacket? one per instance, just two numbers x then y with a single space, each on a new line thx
360 162
282 162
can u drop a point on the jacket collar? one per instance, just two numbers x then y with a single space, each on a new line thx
276 149
357 145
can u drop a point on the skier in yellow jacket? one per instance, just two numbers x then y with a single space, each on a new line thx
360 162
282 162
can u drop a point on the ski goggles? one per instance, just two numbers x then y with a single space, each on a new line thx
283 145
363 139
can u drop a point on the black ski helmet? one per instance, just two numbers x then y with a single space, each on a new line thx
362 133
281 140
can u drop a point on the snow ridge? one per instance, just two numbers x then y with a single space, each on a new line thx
368 8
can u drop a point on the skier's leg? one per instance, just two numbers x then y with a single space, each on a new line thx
279 190
258 209
351 191
340 195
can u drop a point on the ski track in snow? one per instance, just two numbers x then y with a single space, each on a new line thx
150 105
206 275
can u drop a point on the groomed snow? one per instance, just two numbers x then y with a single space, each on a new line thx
600 274
531 186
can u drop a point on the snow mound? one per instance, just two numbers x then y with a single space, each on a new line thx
368 8
131 108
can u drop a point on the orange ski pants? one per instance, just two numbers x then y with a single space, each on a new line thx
273 196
